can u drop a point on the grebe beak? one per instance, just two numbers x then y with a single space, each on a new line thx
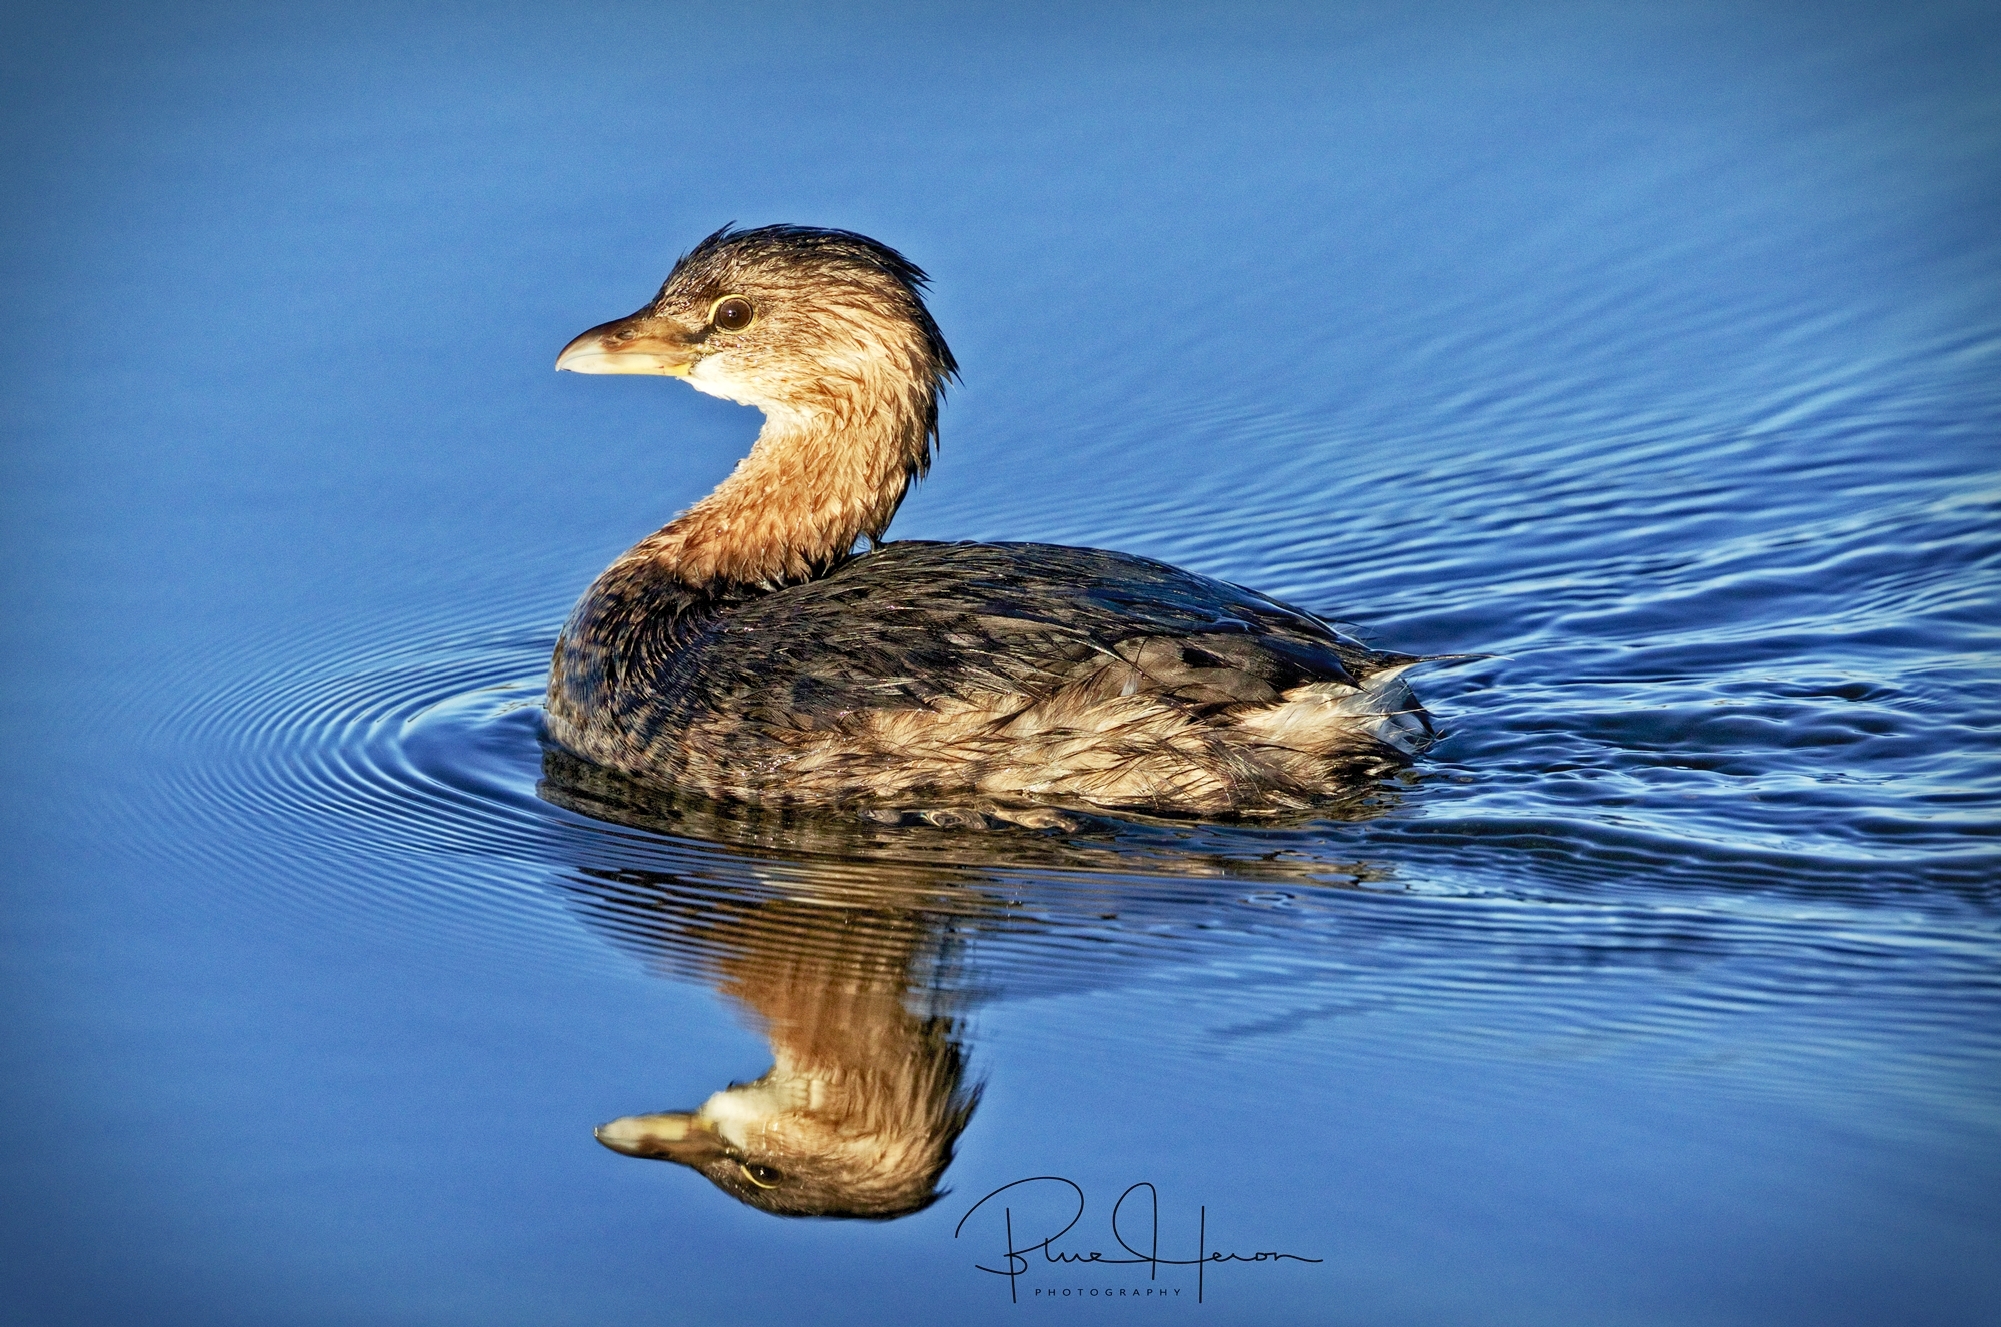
668 1136
639 344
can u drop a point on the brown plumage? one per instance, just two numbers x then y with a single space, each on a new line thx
866 1096
746 651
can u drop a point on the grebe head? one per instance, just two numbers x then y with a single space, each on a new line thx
795 320
827 333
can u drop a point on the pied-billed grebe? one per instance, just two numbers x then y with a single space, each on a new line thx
746 651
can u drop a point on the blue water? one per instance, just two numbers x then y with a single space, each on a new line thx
1653 351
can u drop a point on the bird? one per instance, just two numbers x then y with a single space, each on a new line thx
768 646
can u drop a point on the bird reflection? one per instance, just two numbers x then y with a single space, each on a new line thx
868 1090
844 940
867 1094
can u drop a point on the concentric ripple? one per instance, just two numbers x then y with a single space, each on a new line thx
421 773
1734 743
406 790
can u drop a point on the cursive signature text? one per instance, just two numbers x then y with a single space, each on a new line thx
1142 1224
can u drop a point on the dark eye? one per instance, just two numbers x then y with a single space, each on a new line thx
764 1177
732 313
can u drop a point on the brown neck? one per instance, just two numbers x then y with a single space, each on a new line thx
812 485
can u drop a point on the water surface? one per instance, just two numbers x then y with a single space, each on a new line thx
1656 354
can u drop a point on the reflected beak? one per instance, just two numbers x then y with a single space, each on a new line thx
639 344
668 1136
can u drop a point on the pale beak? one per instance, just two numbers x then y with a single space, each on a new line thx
668 1136
639 344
